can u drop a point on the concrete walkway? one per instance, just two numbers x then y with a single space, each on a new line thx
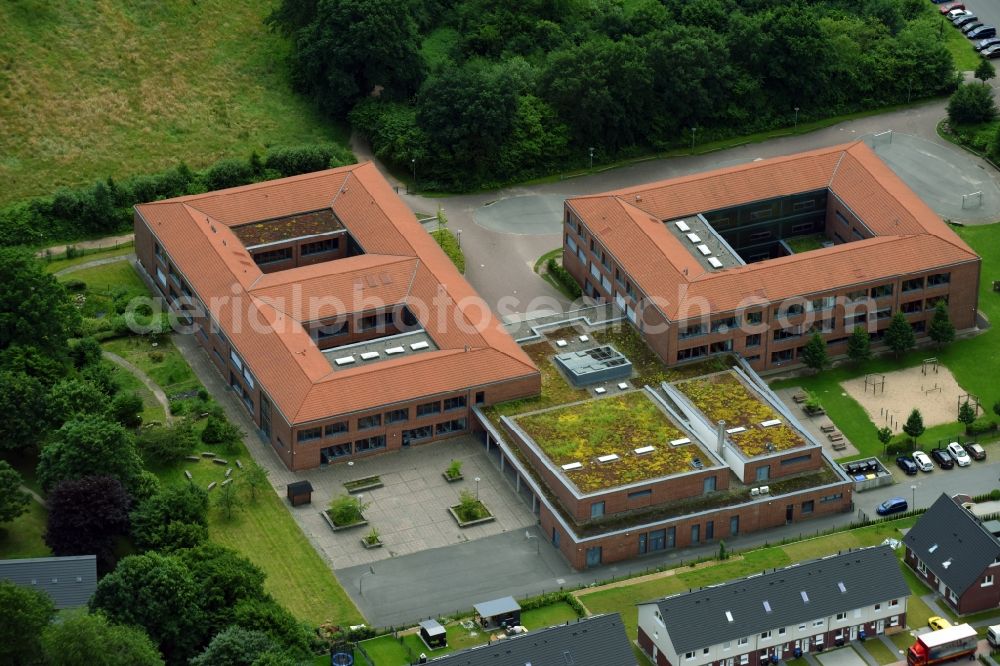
91 264
147 381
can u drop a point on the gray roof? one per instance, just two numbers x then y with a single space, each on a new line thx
433 627
795 594
70 581
962 542
594 641
497 607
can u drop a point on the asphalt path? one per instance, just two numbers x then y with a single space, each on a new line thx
444 581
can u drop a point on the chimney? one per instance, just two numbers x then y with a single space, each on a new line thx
722 436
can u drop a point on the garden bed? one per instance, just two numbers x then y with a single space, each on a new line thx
361 485
369 545
341 528
452 479
724 396
296 226
488 518
618 425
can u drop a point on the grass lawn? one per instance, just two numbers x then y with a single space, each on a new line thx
163 363
974 362
965 57
801 244
878 649
53 265
903 640
449 243
264 532
22 537
151 409
102 88
390 651
917 612
613 425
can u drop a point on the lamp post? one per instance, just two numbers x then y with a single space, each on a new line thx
591 157
913 492
413 162
693 130
529 536
477 488
796 117
361 580
458 233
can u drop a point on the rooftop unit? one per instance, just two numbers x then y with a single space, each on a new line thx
595 365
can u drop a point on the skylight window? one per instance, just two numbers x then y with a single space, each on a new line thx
805 597
932 548
767 606
840 586
729 616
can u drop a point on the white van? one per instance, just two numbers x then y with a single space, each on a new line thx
993 635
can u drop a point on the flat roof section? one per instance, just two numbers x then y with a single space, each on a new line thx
380 349
752 424
300 225
614 441
703 243
594 365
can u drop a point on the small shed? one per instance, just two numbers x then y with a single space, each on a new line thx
503 612
300 492
433 634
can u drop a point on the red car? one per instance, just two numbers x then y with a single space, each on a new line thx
948 6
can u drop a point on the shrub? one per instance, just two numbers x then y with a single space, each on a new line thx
372 537
346 510
227 173
126 408
156 356
75 285
166 444
900 447
454 469
981 425
469 508
563 277
972 103
218 430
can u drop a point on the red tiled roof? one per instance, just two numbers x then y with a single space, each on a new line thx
262 314
910 237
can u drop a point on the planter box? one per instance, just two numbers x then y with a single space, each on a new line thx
335 528
369 546
488 519
451 479
361 485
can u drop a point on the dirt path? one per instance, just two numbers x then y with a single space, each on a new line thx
153 387
95 244
35 496
91 264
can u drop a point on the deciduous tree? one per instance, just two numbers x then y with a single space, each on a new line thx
89 446
34 308
22 402
156 521
88 639
235 646
972 103
26 612
85 516
13 500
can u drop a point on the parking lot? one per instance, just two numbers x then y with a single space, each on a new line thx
988 11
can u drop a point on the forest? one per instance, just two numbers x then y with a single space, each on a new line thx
466 94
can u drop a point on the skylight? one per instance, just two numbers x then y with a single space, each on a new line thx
932 548
805 597
840 586
767 606
729 616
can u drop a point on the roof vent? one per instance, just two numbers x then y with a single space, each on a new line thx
767 606
772 422
729 616
932 548
419 345
611 457
842 588
946 563
644 449
344 360
805 597
571 466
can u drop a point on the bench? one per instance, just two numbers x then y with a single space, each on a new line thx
840 445
828 427
800 397
835 436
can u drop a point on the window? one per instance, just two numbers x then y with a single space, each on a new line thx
807 506
704 650
883 313
953 597
938 279
799 206
454 403
428 408
640 494
416 434
856 296
743 641
795 460
841 616
331 330
480 397
921 567
336 451
727 645
597 509
273 256
734 526
987 581
454 425
753 340
368 322
803 228
761 214
824 303
708 485
878 606
571 244
894 621
744 659
309 434
157 250
691 352
161 277
369 444
695 534
336 428
893 603
723 325
754 317
723 346
843 220
317 247
398 415
787 333
913 285
911 307
689 655
817 623
781 632
372 421
763 473
831 498
691 331
766 634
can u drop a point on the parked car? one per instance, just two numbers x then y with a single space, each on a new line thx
957 451
982 32
975 451
890 506
991 52
946 7
906 464
972 27
986 43
955 13
923 461
936 623
942 458
965 20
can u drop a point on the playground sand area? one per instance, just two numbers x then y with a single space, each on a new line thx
935 393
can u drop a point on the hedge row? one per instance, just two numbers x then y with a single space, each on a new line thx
106 206
563 277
